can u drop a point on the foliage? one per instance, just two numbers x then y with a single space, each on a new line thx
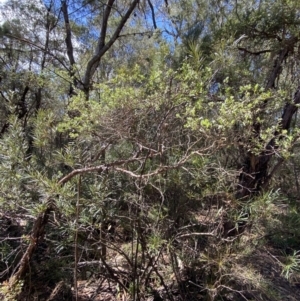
163 161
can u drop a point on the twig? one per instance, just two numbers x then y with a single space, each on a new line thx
76 238
196 234
254 52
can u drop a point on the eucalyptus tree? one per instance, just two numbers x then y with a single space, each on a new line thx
254 94
266 39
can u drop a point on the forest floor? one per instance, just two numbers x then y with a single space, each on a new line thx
261 271
253 266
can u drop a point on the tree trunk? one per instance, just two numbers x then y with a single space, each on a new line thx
255 172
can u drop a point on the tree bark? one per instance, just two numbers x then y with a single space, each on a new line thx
103 47
254 176
37 234
70 48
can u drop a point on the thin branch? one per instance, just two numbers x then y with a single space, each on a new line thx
10 238
149 32
76 255
196 234
103 167
152 14
46 51
68 40
254 52
107 12
69 45
115 166
102 48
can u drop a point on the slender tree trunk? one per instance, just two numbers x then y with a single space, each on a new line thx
255 174
37 234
